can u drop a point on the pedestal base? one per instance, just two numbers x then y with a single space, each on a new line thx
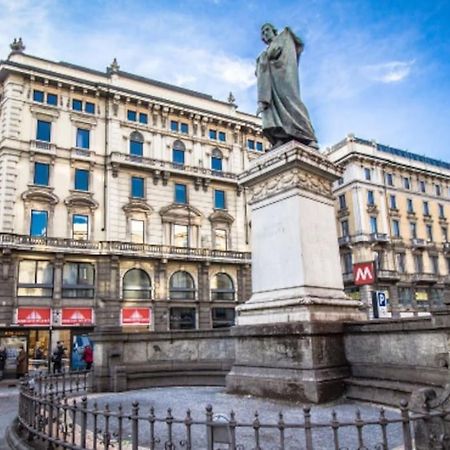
299 361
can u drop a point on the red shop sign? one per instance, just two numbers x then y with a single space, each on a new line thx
77 316
34 316
135 316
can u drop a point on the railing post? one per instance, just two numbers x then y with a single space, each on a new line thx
406 425
209 429
83 422
135 426
50 417
308 431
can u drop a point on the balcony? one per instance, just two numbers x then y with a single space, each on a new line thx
388 275
44 147
344 241
418 243
446 246
347 277
379 237
424 277
157 166
25 242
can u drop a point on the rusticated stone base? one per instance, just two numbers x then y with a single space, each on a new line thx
299 361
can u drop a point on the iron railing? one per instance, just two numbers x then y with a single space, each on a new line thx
55 410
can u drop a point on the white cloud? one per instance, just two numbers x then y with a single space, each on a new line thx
389 72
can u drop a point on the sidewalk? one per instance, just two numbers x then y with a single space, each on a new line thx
9 394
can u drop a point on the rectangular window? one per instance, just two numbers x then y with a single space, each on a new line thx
405 295
406 183
426 208
222 136
390 179
212 134
137 231
437 188
174 125
77 105
78 280
393 202
143 118
409 206
137 187
444 231
220 239
52 99
182 319
347 261
344 228
250 144
131 115
429 230
342 202
41 174
82 179
373 224
136 148
434 259
370 198
178 156
38 96
180 193
418 262
35 279
396 228
43 131
441 211
184 128
83 137
219 199
422 186
223 317
216 163
367 174
80 227
400 258
413 230
89 108
259 146
180 235
38 224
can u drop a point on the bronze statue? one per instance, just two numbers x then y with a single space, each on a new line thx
284 116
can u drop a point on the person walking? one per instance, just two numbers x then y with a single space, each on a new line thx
57 357
3 357
21 363
88 356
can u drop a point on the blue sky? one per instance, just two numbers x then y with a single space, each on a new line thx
376 68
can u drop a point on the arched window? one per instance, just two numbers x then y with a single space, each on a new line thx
182 286
137 284
222 287
178 151
216 160
136 144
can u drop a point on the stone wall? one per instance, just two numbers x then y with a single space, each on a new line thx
390 359
137 360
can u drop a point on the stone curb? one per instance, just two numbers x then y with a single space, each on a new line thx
13 439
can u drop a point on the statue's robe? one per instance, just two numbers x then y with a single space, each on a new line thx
286 117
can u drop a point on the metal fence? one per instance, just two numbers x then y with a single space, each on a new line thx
55 411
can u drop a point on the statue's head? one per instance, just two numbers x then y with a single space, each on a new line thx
268 32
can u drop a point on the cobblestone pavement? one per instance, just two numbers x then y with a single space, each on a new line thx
182 398
8 408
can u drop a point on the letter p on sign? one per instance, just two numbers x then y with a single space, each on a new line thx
363 273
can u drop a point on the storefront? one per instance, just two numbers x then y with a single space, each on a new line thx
38 332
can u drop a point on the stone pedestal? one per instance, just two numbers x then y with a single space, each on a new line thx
287 335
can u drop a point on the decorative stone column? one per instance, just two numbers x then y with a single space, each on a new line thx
289 334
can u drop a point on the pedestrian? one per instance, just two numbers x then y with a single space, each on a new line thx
57 357
3 357
21 363
88 356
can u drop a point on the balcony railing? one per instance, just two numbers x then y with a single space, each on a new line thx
157 164
418 243
447 247
379 237
8 240
424 277
344 240
388 275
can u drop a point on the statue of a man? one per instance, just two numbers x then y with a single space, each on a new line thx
284 116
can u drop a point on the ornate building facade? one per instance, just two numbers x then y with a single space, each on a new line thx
119 203
393 209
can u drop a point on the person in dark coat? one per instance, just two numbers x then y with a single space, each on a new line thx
21 363
57 357
3 357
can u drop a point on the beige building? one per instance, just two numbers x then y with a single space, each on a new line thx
392 208
119 203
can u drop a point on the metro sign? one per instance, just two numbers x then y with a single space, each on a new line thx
77 316
135 316
364 273
34 316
